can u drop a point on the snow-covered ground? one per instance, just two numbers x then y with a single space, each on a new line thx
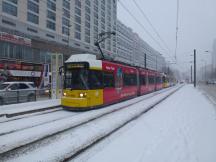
181 129
28 106
69 141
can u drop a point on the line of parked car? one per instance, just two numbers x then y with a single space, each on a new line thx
211 82
17 92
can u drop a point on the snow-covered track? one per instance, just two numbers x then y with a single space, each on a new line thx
21 110
33 121
12 117
43 136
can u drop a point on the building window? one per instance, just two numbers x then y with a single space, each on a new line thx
51 15
8 22
96 2
87 9
78 35
51 5
87 39
96 22
78 19
66 4
78 11
87 32
87 17
87 24
65 30
33 7
51 25
32 18
9 9
78 3
88 2
66 13
77 27
65 22
13 1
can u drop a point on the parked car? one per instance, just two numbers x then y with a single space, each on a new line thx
15 92
45 91
211 82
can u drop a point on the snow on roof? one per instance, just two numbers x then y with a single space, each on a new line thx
90 58
17 82
81 57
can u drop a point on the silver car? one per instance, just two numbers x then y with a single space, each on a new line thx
16 92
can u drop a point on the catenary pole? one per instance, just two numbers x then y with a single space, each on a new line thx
195 68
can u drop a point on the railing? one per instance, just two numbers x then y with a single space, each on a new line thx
20 96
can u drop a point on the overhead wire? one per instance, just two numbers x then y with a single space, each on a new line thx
177 28
138 22
143 27
150 23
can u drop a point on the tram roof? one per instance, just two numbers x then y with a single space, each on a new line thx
90 58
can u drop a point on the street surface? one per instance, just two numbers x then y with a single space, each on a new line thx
180 129
164 126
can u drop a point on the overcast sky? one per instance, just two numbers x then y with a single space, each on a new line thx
197 25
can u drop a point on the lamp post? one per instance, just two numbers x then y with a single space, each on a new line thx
191 74
195 68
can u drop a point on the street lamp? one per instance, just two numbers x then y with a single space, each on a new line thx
194 55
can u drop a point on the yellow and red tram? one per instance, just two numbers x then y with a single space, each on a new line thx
91 83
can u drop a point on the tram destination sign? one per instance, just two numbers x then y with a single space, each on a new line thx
77 65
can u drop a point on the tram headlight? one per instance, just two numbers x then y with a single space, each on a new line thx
64 94
82 95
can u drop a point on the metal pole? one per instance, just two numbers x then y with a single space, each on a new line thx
145 61
191 73
195 68
205 72
156 62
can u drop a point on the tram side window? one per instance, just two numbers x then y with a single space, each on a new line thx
142 80
108 80
151 80
163 79
96 80
130 80
158 79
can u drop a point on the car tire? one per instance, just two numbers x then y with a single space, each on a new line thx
31 97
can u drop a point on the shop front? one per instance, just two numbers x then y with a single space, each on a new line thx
20 71
20 61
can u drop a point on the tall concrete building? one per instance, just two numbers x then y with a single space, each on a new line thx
134 50
32 29
125 40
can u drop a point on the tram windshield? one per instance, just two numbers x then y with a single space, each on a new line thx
76 79
82 79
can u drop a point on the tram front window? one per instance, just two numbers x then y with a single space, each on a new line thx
76 79
81 79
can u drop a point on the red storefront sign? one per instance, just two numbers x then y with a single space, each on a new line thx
15 39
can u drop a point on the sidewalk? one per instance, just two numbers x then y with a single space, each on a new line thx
181 129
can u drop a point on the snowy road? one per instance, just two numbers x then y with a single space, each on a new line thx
64 139
181 129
